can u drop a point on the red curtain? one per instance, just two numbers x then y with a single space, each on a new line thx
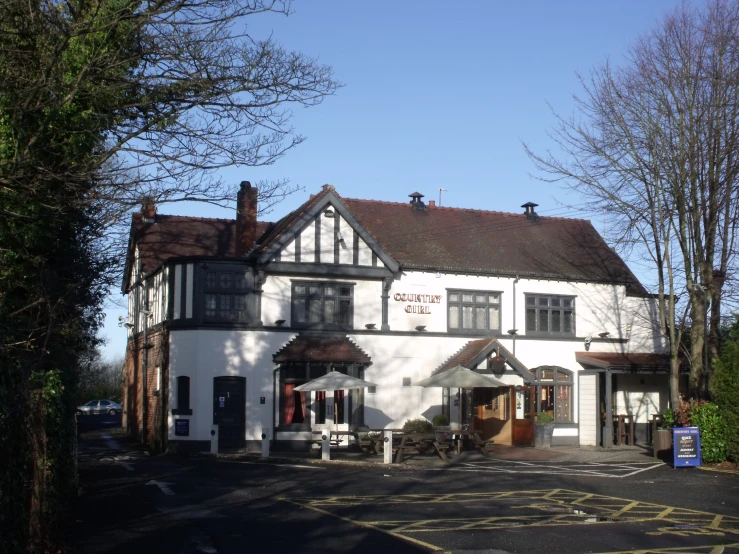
289 406
302 406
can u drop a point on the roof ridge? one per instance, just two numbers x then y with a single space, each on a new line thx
198 218
459 209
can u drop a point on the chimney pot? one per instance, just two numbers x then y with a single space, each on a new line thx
148 209
246 218
432 203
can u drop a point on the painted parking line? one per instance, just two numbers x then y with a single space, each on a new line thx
516 509
591 469
297 466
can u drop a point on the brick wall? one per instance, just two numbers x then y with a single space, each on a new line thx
156 400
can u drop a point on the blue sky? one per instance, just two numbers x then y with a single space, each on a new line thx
437 95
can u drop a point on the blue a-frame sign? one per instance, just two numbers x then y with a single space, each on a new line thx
686 446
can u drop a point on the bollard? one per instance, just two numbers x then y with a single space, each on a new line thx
326 444
387 449
265 443
214 439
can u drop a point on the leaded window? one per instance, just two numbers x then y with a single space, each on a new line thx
550 315
554 392
225 294
473 311
329 305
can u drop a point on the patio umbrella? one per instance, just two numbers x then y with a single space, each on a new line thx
460 377
333 380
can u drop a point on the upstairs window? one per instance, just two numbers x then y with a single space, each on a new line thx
550 315
326 305
225 293
473 311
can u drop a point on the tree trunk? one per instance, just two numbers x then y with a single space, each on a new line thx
36 422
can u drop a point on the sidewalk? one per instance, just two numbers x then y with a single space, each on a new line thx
582 454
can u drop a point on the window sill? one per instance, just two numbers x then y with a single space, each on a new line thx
176 411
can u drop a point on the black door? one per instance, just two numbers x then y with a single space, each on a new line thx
229 411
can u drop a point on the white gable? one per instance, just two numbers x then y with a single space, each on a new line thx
337 241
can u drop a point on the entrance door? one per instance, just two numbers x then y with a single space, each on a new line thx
229 411
524 415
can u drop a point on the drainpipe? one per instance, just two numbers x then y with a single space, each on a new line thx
274 412
144 371
514 316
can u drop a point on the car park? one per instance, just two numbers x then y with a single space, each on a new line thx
94 407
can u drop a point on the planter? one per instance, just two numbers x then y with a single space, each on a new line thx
543 435
663 444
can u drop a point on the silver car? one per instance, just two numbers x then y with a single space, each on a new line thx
100 407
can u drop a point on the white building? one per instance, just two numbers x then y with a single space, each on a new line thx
234 314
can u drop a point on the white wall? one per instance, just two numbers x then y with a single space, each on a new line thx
588 409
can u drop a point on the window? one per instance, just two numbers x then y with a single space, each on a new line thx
554 393
225 293
473 311
550 315
322 305
301 409
183 396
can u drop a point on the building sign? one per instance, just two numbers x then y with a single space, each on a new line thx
182 427
686 444
418 303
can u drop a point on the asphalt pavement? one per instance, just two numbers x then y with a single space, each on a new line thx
572 501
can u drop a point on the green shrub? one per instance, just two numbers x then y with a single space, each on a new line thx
725 389
419 425
668 419
708 417
440 420
544 417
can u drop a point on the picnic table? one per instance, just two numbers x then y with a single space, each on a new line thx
439 441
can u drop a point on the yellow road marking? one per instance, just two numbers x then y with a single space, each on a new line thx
365 526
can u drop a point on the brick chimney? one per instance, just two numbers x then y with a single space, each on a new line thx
246 218
148 209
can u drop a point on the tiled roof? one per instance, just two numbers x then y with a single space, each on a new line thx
468 353
319 348
489 242
621 360
174 236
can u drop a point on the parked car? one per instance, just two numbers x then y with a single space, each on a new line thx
100 407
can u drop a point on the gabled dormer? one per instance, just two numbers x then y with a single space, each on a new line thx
323 237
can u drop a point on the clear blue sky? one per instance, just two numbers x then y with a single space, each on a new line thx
438 95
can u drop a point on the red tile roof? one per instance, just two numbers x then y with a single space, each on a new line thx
444 239
174 236
319 348
489 242
468 353
622 360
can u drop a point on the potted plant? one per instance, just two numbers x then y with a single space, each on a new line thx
543 430
663 436
440 422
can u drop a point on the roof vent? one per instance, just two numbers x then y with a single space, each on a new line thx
416 202
529 211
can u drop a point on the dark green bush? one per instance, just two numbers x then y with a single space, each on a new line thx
725 389
708 417
544 417
668 419
440 420
419 425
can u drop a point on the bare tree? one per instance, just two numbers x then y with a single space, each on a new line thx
654 143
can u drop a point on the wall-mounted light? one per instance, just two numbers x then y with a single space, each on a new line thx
279 322
339 238
512 331
370 325
328 213
128 325
420 327
604 334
